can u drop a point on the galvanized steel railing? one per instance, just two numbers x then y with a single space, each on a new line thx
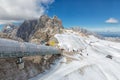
11 48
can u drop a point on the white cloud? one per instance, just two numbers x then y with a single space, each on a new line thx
22 9
10 21
112 20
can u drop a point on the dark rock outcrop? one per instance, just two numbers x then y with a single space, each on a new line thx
26 29
109 56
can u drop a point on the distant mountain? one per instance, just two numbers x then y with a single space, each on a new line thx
17 24
109 34
8 28
9 31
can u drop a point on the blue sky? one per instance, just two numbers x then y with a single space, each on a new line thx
95 15
90 14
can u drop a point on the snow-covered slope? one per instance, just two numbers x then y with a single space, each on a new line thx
71 42
89 62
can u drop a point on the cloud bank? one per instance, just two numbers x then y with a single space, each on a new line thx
15 10
112 20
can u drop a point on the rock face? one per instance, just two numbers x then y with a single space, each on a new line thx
42 29
26 29
33 66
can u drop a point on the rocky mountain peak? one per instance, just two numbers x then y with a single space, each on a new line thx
44 18
40 29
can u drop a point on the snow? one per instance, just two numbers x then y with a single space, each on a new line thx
8 27
91 65
68 42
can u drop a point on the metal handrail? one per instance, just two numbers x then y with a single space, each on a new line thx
11 48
